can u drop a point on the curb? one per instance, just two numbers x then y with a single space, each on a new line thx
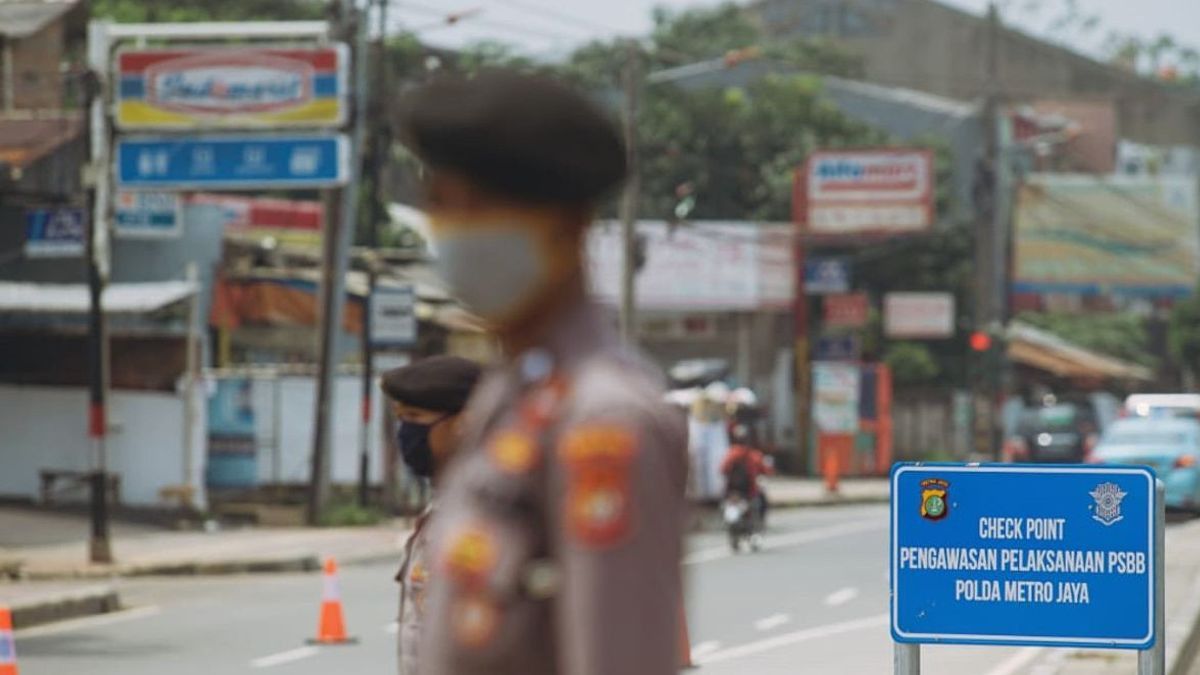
1185 633
825 502
292 564
304 563
64 606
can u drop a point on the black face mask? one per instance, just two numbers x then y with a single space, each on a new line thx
413 440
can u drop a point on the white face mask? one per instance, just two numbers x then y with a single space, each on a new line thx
494 271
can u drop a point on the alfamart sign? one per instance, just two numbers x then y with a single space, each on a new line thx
208 88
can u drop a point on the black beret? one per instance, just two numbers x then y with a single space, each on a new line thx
527 137
441 383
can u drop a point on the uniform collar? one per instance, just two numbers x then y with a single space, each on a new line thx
579 332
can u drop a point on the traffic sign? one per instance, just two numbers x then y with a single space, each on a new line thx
55 232
1024 555
149 215
842 347
232 162
393 316
826 275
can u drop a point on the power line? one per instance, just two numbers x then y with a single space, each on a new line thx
501 25
561 16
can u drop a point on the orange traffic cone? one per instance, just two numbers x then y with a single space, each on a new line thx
332 628
685 643
8 649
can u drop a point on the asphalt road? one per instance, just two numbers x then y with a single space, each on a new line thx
814 601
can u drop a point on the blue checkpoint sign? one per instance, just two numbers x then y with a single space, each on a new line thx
1059 556
232 162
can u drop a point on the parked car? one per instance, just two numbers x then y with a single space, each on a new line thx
1062 433
1169 446
1162 405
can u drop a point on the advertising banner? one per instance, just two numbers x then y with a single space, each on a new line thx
238 88
854 192
1091 235
918 315
835 397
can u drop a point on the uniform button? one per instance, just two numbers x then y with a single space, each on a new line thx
542 579
536 365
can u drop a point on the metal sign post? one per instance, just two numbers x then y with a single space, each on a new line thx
976 560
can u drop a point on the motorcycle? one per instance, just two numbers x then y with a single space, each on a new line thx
741 522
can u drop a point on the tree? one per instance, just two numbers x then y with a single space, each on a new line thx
1183 334
911 363
139 11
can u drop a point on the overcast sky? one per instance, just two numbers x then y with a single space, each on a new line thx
545 28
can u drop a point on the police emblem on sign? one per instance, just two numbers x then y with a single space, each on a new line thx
1107 509
934 504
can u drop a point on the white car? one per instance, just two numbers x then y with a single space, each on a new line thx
1162 405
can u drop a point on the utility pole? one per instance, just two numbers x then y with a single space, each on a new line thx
96 251
341 209
376 158
629 200
986 245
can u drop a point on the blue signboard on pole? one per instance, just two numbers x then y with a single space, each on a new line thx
232 162
825 276
55 232
1024 555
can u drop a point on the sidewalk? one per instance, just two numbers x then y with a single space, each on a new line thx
60 551
1182 621
807 492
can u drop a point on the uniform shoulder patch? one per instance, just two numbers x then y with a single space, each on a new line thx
514 451
599 500
470 555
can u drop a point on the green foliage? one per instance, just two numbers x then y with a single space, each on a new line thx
1183 333
1121 335
911 363
350 515
137 11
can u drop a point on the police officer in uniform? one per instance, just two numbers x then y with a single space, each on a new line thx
556 548
427 398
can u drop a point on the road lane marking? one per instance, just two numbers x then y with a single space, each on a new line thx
1017 662
705 648
285 657
841 597
773 621
97 621
787 639
788 540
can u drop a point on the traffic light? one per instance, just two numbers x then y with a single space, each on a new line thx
980 341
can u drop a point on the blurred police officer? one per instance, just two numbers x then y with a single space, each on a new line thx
427 399
557 542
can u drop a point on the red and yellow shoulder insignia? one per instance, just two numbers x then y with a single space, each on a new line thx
514 451
599 500
470 555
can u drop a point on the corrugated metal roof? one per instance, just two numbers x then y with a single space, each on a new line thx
1045 351
132 298
22 18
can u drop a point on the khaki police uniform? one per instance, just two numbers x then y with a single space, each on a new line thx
413 578
556 548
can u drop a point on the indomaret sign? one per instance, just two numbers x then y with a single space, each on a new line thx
854 192
231 88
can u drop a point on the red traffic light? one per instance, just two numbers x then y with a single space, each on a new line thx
980 341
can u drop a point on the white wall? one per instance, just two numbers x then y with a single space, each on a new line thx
46 428
297 400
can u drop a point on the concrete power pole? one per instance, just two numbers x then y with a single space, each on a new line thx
629 200
341 210
987 243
